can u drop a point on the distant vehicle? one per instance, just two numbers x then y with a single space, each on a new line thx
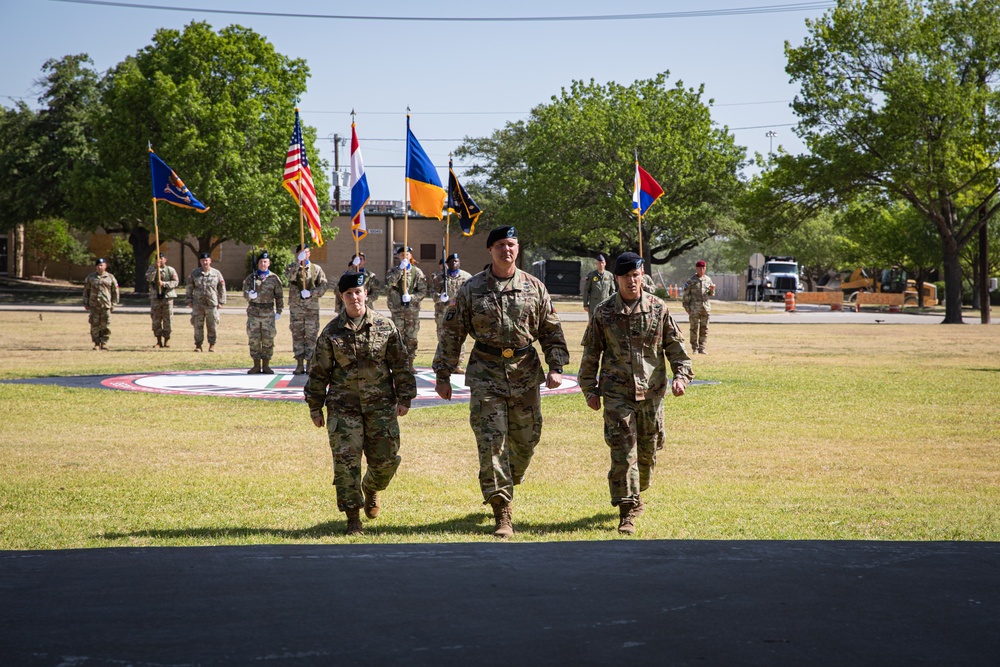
890 281
779 274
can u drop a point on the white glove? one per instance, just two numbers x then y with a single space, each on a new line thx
302 256
404 265
406 298
305 294
253 295
356 261
277 316
443 297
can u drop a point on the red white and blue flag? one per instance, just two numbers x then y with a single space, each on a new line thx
298 181
360 193
645 192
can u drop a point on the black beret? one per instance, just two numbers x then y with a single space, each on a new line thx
163 256
350 280
263 255
401 249
452 256
601 257
204 255
300 248
626 262
360 254
506 232
100 260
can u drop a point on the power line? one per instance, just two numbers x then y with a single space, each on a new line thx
700 13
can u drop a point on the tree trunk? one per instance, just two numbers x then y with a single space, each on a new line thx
19 251
984 273
952 283
138 238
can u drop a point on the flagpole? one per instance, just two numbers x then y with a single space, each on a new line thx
638 189
406 209
156 232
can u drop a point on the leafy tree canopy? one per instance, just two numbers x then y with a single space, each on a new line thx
565 175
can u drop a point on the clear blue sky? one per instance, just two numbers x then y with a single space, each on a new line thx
380 67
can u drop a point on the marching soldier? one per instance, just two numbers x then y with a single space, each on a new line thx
505 310
306 284
205 295
628 343
100 296
263 292
360 373
697 291
406 287
163 282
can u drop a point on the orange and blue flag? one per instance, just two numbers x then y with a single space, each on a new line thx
169 188
426 193
360 194
645 192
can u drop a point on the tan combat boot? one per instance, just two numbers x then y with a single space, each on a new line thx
211 347
159 342
265 367
197 347
627 514
354 526
256 368
372 504
299 367
503 513
166 341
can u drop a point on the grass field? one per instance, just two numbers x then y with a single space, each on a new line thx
813 432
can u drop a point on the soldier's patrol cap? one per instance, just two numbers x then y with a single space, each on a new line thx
403 249
204 255
601 257
100 260
350 280
452 256
505 232
627 262
700 262
263 255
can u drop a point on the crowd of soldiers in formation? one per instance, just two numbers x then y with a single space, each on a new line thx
360 366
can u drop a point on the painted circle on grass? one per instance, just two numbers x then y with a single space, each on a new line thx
282 386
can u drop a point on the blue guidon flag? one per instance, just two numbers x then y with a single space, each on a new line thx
168 187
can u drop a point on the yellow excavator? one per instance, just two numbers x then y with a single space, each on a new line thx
891 281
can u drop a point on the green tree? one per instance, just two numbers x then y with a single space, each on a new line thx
565 175
50 240
218 107
899 100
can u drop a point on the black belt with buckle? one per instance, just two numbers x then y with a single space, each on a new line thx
505 352
262 305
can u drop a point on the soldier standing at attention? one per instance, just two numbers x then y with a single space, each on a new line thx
205 295
406 287
628 343
306 284
697 291
360 373
163 282
505 310
100 296
598 285
263 292
444 286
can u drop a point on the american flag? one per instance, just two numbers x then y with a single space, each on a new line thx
298 178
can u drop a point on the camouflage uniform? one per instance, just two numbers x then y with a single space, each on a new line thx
406 316
504 374
161 299
697 305
596 288
204 293
648 286
372 286
629 349
438 285
261 328
360 373
304 312
100 296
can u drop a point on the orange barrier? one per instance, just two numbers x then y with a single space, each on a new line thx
833 298
894 301
789 302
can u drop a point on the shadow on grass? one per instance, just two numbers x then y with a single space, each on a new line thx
474 523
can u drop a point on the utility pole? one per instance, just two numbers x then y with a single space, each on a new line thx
336 171
770 134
